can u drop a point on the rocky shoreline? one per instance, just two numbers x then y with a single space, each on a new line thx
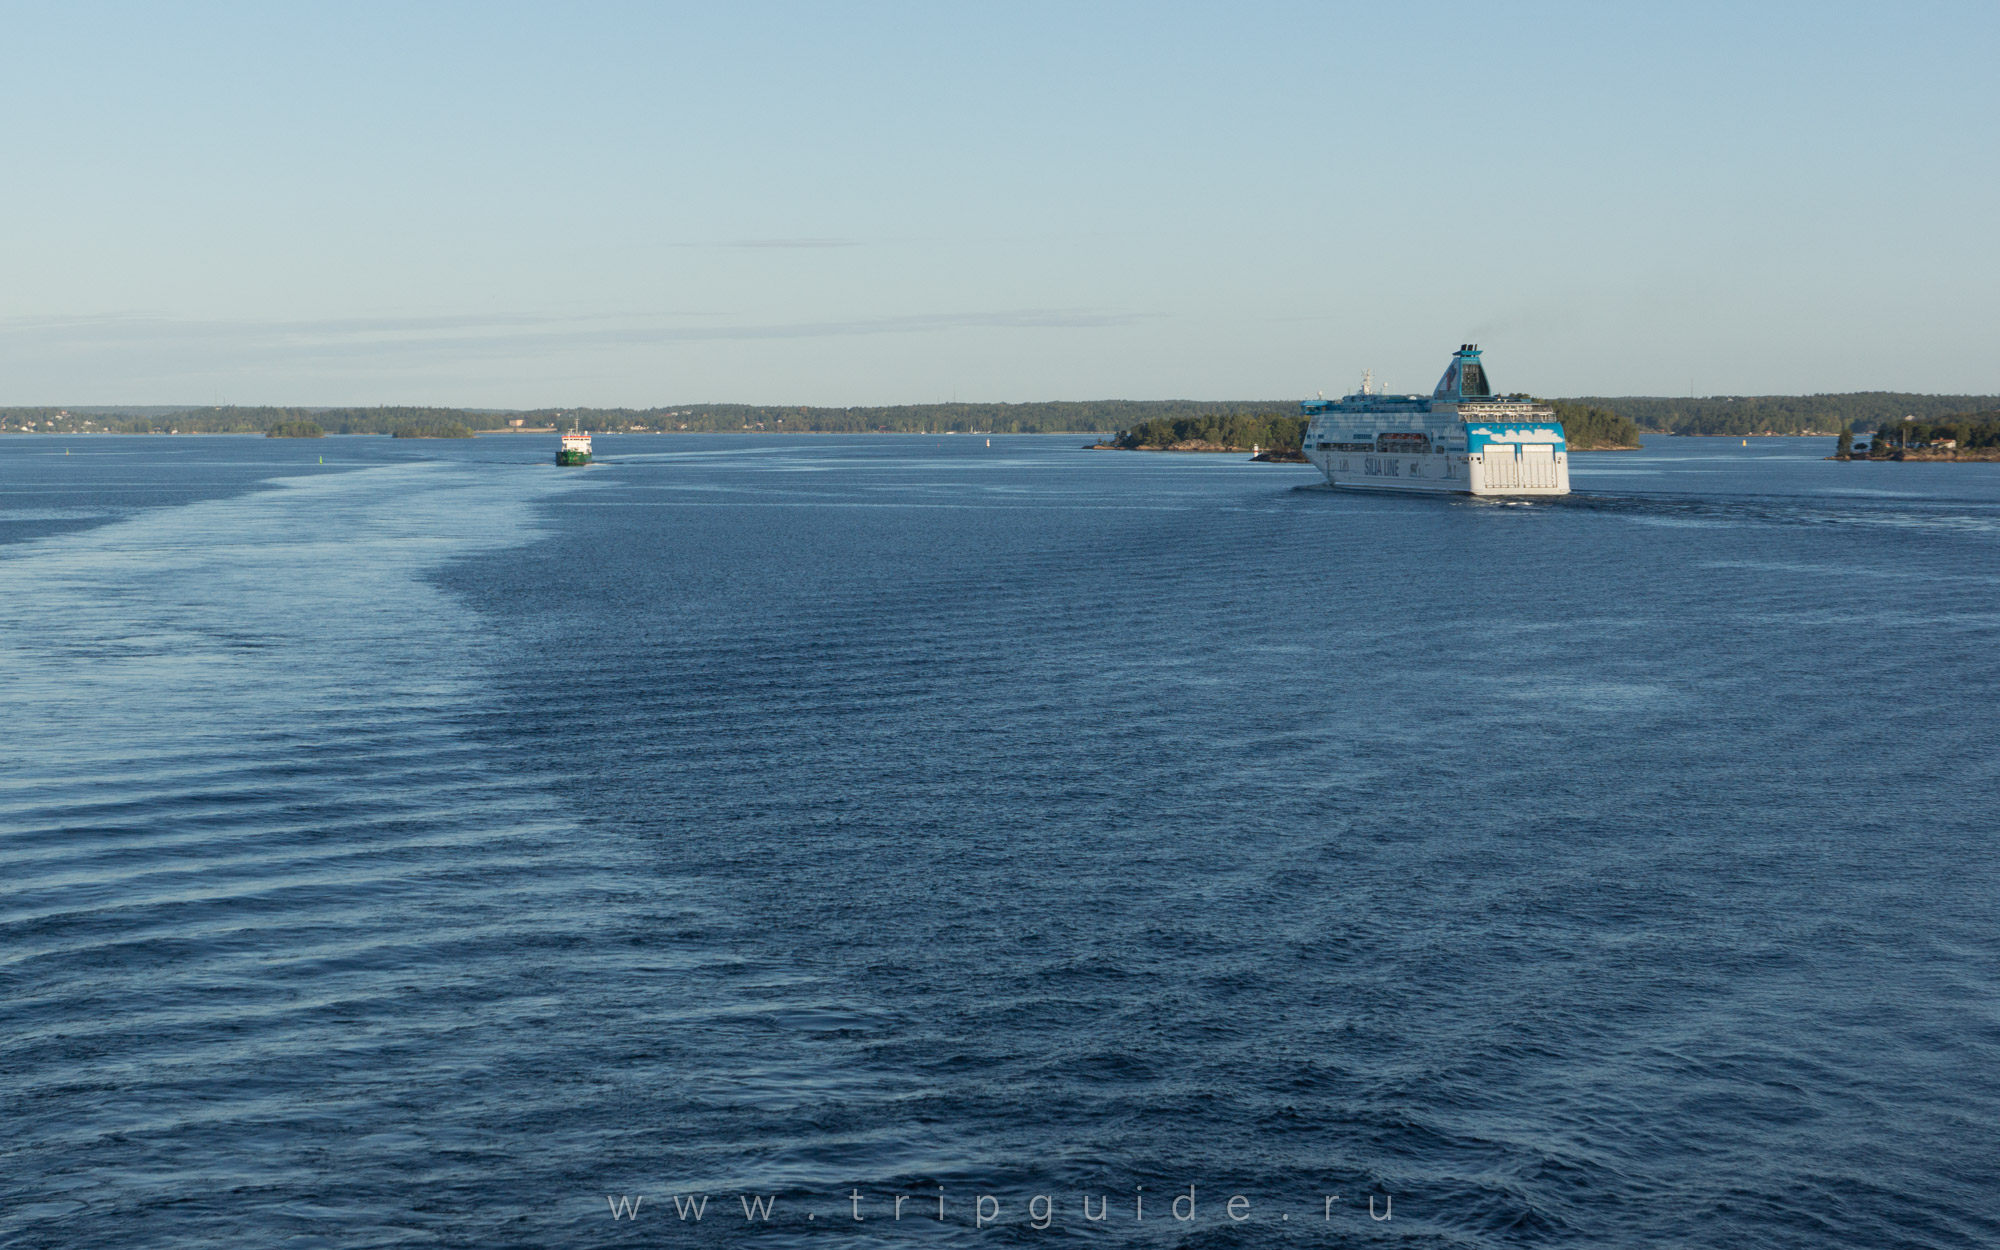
1268 455
1190 445
1987 455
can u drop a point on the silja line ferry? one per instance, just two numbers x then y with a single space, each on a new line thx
1461 438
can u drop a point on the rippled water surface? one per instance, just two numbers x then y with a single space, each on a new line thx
419 847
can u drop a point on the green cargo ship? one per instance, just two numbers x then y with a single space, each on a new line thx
575 448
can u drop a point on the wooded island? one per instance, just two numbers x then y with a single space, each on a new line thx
1961 436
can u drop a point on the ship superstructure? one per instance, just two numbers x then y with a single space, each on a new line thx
1460 438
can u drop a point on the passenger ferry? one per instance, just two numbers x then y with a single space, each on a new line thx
575 447
1461 438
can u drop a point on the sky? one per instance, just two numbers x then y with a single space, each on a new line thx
831 204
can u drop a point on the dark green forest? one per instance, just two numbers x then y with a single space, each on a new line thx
1784 414
1241 432
295 429
1587 427
1968 429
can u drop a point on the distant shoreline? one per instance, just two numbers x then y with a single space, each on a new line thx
1970 455
1296 456
1592 423
594 430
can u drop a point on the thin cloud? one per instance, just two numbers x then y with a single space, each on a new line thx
806 242
171 346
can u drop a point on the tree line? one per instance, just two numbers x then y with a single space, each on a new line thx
230 419
1587 427
1584 427
1055 417
1237 432
1591 420
1967 429
1062 417
1741 415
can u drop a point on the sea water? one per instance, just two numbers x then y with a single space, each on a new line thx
435 847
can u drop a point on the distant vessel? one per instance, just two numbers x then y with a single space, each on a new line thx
1462 438
575 447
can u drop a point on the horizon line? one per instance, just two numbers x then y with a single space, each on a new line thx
134 407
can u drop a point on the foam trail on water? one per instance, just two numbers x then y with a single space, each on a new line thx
311 591
243 798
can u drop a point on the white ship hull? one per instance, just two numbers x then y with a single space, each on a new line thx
1509 470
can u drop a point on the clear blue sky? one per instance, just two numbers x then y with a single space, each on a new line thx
835 204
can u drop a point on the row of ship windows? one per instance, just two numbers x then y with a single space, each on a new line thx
1407 443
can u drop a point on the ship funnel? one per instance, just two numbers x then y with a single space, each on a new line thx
1464 377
